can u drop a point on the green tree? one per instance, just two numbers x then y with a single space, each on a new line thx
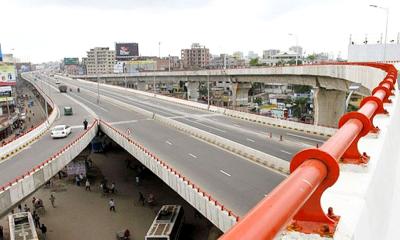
300 107
254 62
301 88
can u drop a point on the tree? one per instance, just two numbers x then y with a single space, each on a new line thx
258 100
254 62
301 88
300 107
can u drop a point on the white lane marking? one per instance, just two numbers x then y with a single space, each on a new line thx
286 152
217 129
304 137
193 156
123 122
168 142
250 140
105 110
227 174
77 126
237 125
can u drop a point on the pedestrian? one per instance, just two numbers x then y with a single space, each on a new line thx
43 228
52 200
19 207
36 219
85 124
87 185
137 180
1 233
33 202
112 188
141 198
26 209
81 177
111 203
77 180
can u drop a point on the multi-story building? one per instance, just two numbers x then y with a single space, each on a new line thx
252 55
196 57
224 61
297 49
238 55
100 60
268 54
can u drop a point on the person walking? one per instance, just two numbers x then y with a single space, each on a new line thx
87 185
112 188
141 198
111 203
26 209
36 219
85 124
19 207
43 228
77 180
52 200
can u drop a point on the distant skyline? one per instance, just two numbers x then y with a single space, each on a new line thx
49 30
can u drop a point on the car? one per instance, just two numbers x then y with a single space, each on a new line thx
60 131
67 111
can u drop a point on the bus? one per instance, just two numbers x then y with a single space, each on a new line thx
167 224
22 227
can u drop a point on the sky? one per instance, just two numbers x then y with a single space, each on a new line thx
49 30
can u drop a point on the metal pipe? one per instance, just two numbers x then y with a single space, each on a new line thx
266 219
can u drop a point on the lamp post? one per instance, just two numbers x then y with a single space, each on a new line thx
352 89
297 44
386 27
208 91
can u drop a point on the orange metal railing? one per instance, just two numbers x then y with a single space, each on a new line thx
295 203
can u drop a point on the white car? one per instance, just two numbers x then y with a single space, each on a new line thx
60 131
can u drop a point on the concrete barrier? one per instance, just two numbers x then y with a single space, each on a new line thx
221 217
21 187
240 149
21 142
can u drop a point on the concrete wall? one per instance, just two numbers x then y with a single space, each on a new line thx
221 217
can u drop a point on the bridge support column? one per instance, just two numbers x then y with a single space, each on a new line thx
240 93
328 106
142 86
192 90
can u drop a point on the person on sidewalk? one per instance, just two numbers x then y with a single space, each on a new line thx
141 198
36 219
43 228
87 185
112 188
52 200
111 203
85 124
1 233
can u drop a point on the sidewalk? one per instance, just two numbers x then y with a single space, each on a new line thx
81 214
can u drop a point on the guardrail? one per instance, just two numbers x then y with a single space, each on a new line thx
217 213
297 198
32 134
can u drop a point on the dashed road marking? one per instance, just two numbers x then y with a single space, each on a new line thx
304 137
250 140
193 156
168 142
227 174
286 152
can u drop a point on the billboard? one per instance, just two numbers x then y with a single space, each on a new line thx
7 74
71 61
126 51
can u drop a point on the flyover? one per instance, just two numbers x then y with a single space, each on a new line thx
247 179
331 82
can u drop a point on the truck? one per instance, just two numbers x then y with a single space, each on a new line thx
63 88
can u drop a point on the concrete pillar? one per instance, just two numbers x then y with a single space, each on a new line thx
240 93
142 86
328 106
192 90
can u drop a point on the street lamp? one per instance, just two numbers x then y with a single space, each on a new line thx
386 27
297 44
352 88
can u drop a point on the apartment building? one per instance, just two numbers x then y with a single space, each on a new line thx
100 60
196 57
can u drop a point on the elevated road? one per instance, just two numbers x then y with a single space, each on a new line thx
250 134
